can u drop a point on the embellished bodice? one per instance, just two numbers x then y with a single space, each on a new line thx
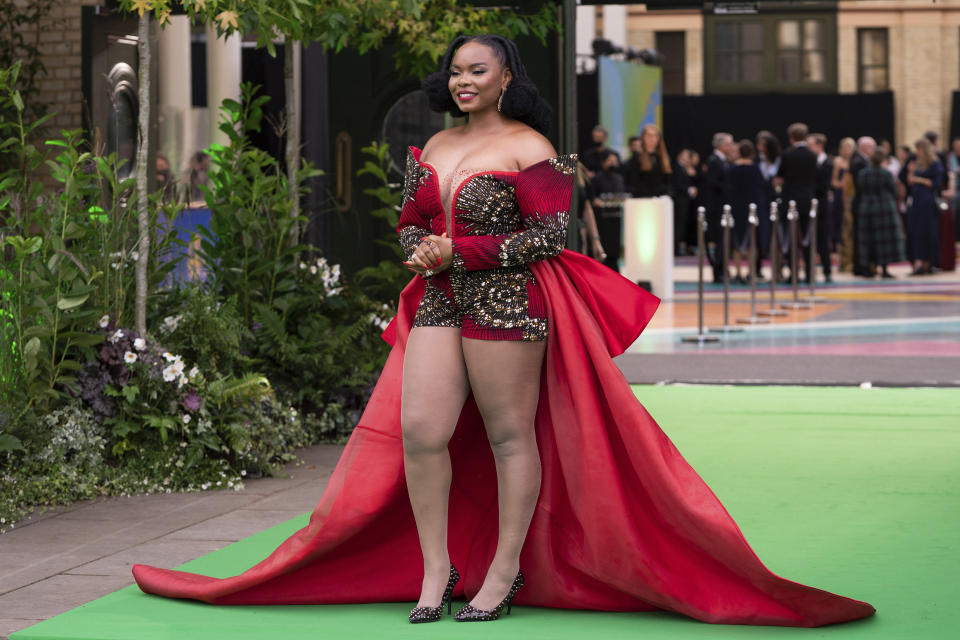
498 222
492 203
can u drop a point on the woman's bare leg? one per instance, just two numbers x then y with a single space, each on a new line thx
434 389
505 379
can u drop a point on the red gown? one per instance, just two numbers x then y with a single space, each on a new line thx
622 522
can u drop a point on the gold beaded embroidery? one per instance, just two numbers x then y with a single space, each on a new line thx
410 238
436 310
544 237
565 164
487 206
414 176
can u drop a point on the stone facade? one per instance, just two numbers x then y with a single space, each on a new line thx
642 27
924 54
924 47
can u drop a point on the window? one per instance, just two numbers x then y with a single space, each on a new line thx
779 52
873 70
672 46
739 52
801 51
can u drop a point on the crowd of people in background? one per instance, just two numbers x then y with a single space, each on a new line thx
875 206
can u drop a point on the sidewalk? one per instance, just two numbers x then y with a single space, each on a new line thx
67 556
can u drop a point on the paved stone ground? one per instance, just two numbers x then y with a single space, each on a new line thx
67 556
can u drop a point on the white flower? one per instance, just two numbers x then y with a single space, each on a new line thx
333 292
186 418
177 366
193 372
139 344
313 270
169 357
134 255
170 323
303 265
322 263
182 381
129 357
169 375
243 472
116 254
115 336
115 265
104 321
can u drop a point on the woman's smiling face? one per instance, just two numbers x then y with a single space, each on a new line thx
476 77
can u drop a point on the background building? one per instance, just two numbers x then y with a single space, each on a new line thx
888 68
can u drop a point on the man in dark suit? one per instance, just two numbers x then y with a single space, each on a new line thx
798 178
712 197
859 162
817 143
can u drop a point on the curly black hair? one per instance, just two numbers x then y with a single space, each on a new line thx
521 101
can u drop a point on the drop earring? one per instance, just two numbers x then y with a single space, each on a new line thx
500 101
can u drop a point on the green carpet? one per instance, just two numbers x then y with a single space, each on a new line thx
852 490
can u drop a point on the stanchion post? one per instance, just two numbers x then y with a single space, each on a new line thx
793 217
812 273
753 220
726 221
774 264
700 338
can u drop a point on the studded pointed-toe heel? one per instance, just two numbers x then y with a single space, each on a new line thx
432 614
471 614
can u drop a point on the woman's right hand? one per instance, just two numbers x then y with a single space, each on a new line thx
426 259
596 249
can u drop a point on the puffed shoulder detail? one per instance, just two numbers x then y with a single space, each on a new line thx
564 163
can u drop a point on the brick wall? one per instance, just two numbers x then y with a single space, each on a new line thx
60 89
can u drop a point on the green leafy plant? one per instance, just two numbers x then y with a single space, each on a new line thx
68 256
384 281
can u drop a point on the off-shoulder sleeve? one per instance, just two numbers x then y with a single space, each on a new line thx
543 193
414 223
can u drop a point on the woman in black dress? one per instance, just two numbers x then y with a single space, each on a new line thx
647 173
744 185
924 177
879 237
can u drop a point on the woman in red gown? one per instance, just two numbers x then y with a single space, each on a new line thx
501 434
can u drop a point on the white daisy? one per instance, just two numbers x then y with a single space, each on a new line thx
134 255
169 375
104 321
139 344
193 372
313 269
186 418
303 265
129 357
115 336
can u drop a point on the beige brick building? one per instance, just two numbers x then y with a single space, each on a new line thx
909 47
